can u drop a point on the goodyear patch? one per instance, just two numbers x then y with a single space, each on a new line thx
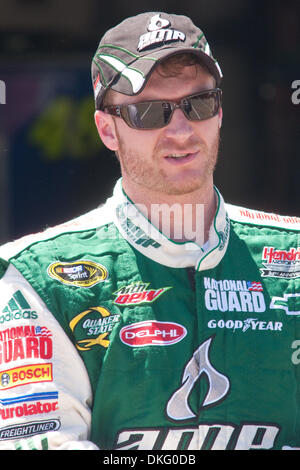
80 273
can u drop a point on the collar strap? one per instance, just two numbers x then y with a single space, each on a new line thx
149 241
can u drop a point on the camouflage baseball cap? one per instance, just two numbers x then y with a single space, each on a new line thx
128 53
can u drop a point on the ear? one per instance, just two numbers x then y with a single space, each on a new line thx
220 117
106 129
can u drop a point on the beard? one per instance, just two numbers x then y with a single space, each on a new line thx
146 172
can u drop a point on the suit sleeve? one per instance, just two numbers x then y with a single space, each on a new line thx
45 393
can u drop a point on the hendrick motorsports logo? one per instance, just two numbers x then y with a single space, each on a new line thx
281 263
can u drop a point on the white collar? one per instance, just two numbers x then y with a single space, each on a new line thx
149 241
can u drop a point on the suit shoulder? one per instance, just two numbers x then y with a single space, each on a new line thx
257 218
93 220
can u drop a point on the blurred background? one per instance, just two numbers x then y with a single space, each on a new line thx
53 166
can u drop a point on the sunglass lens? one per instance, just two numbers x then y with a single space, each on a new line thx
202 106
149 115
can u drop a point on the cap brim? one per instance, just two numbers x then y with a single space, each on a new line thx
133 78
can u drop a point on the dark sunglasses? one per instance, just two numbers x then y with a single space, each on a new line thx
157 114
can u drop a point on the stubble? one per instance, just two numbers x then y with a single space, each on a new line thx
147 173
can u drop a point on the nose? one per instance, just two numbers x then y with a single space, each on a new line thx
179 126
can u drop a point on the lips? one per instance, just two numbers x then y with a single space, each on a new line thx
180 158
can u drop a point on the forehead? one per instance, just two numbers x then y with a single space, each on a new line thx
190 80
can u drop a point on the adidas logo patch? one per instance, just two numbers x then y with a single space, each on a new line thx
17 309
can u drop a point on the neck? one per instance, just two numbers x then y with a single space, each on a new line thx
181 217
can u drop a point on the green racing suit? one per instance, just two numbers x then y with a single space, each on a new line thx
113 336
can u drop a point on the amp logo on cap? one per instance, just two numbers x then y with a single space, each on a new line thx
157 22
159 33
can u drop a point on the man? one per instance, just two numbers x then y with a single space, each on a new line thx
165 319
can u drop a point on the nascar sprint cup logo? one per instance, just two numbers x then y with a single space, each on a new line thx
80 273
